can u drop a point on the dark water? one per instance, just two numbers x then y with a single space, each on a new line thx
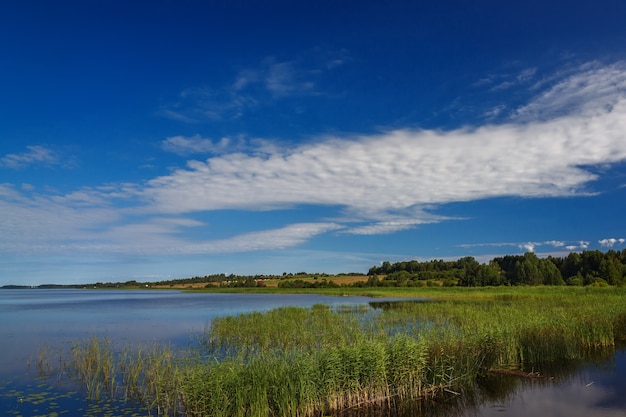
595 388
30 319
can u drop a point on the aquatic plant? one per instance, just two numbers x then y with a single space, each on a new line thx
322 360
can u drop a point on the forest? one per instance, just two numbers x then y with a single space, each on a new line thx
592 267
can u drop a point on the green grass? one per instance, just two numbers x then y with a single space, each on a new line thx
320 360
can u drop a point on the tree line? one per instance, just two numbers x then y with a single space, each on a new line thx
591 267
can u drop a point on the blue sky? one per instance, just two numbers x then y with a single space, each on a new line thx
163 139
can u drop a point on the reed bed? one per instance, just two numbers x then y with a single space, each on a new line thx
322 361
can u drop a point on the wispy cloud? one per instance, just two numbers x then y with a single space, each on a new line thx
166 241
595 89
87 222
284 79
526 246
35 155
204 103
251 88
373 184
196 144
282 238
389 226
507 81
40 224
281 79
504 80
399 170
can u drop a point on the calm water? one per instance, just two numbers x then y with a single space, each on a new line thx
583 391
30 319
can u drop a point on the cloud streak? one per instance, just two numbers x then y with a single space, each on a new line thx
373 184
396 171
526 246
196 144
593 90
251 89
35 155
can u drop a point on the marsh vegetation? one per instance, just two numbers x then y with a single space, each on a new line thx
330 361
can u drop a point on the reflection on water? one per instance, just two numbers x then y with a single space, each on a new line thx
590 390
32 318
596 387
578 389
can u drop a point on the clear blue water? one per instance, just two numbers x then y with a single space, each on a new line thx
30 319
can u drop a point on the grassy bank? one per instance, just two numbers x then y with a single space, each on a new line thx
321 361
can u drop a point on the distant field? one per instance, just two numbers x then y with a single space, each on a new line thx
347 280
340 280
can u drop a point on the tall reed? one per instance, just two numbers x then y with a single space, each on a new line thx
321 360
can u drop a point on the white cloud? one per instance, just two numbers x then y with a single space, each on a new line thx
495 244
87 221
594 90
578 246
403 169
382 183
285 237
204 103
283 79
9 193
41 224
164 239
610 242
495 111
251 88
385 227
529 246
526 74
555 243
182 145
35 155
501 81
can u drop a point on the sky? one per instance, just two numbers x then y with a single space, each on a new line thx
152 140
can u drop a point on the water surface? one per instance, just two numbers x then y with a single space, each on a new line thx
591 390
30 319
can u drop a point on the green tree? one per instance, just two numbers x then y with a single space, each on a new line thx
470 267
591 260
610 270
572 265
550 274
527 270
489 275
401 277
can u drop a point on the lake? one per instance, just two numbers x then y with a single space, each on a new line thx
30 319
